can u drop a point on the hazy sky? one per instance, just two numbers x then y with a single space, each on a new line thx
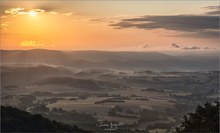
110 25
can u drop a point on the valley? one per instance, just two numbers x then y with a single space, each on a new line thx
99 99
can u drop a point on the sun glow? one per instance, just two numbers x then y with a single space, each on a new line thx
33 13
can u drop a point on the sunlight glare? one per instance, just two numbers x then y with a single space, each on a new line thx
32 13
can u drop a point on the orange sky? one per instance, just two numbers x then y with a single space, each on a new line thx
75 25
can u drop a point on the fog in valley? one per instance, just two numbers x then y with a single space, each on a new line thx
108 91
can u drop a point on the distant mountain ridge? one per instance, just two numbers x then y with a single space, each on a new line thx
113 60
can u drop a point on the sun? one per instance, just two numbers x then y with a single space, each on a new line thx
33 13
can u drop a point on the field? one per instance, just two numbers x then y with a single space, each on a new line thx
136 100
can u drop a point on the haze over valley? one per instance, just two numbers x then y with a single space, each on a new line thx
138 90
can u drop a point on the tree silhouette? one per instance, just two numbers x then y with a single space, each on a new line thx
205 119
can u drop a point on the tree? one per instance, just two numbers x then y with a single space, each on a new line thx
205 119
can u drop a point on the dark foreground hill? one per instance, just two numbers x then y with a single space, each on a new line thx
14 120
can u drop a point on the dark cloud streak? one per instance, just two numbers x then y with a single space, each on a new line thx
191 48
175 45
202 25
213 10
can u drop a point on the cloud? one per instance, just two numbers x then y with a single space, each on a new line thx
199 26
80 20
191 48
30 43
206 48
3 17
19 11
175 45
48 8
54 13
26 11
112 19
4 25
68 13
22 11
101 19
3 28
209 48
145 46
213 10
106 20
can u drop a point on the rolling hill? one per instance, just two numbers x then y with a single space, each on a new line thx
113 60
